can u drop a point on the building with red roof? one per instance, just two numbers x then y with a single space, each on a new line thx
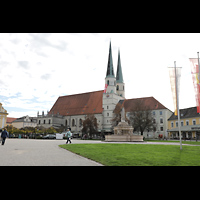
71 110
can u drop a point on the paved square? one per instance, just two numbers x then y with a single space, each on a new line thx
29 152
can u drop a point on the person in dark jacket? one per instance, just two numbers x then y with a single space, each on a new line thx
4 134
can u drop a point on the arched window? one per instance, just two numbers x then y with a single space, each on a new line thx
73 122
80 122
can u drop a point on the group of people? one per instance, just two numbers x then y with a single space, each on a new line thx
4 135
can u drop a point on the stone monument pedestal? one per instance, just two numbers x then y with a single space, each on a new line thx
124 138
123 132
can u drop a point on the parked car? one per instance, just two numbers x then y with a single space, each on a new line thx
49 136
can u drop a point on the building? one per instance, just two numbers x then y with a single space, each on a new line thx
160 114
25 121
3 116
71 110
190 124
10 120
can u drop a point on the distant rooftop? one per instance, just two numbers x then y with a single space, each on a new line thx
186 113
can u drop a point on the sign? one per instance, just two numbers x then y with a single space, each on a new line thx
194 128
59 136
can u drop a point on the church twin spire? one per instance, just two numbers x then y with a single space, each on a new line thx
114 84
110 69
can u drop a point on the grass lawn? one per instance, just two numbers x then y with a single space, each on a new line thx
137 154
176 141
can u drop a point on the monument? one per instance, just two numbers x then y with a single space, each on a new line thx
123 132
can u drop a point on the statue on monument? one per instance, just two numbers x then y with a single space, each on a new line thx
123 115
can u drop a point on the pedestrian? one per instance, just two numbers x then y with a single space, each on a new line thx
4 134
69 134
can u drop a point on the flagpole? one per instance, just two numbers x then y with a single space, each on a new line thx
198 86
198 66
177 103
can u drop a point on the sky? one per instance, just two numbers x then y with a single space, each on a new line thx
37 68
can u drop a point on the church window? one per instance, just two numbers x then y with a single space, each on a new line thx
107 82
117 87
73 122
80 122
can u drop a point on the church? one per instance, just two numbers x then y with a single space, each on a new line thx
71 110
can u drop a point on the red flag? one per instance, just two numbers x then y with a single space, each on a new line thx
106 85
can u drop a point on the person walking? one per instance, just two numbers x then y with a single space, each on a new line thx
69 134
4 134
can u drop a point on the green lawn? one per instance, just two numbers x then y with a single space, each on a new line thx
138 154
176 141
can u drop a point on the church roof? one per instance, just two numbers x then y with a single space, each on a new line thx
149 102
79 104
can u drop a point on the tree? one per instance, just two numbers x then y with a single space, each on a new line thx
50 130
90 125
141 118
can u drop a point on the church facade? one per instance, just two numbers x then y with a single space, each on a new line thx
71 110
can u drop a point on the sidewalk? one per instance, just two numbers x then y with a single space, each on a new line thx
28 152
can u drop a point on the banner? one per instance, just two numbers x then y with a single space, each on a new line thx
195 78
173 85
105 88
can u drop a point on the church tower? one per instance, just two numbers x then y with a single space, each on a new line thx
110 79
110 96
119 79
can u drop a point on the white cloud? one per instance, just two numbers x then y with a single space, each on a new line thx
38 68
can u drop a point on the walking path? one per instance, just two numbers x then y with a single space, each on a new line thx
29 152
